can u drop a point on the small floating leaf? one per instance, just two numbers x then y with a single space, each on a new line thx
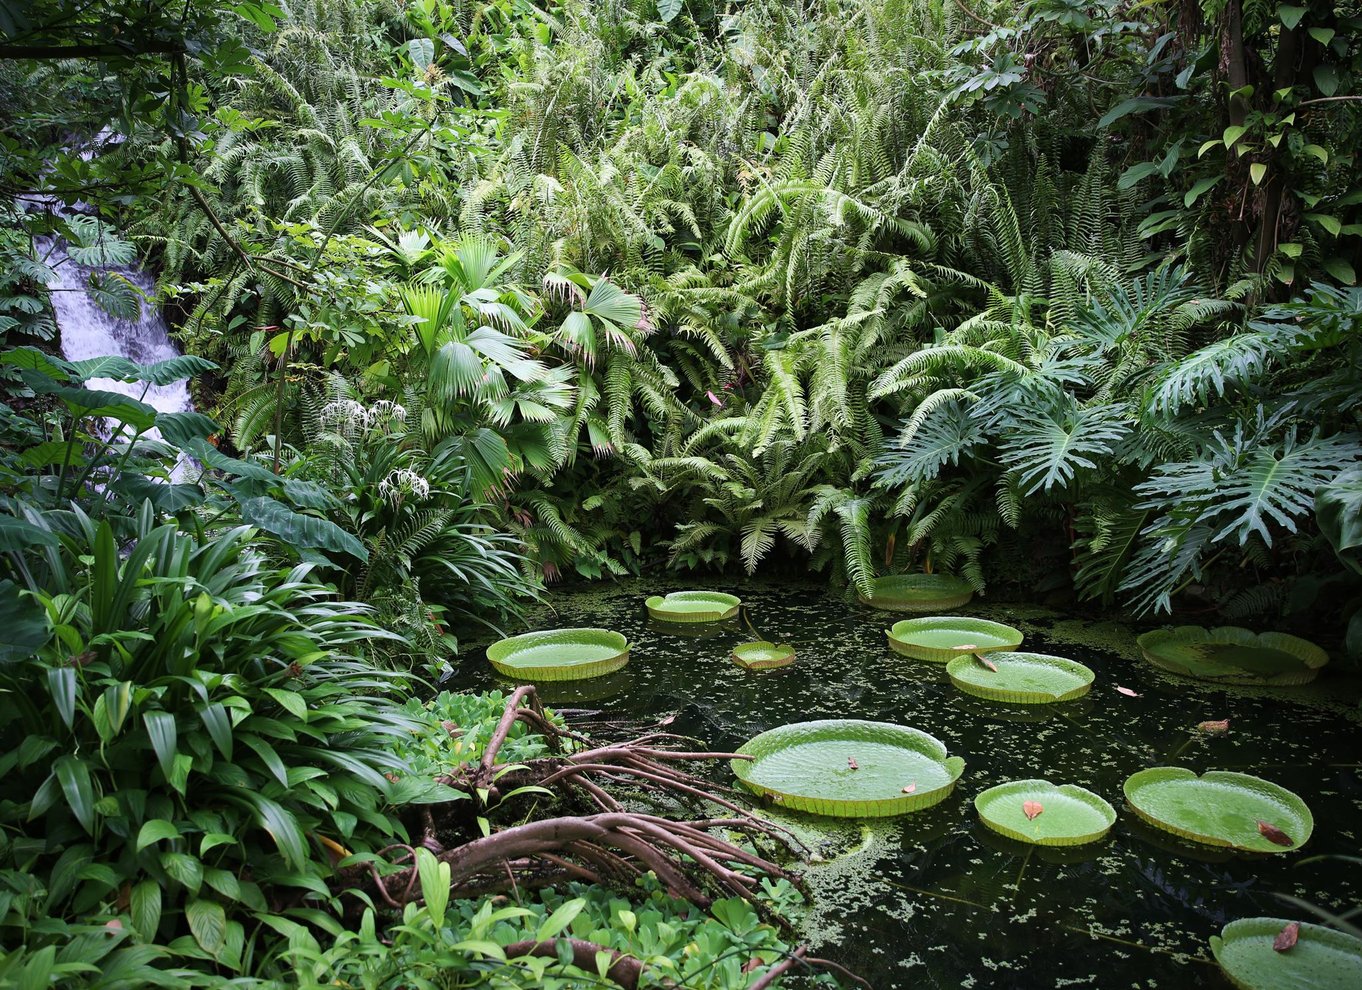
1215 728
910 788
1031 809
965 647
851 762
1287 937
1273 834
986 662
1127 692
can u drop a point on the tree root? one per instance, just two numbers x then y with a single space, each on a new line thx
609 844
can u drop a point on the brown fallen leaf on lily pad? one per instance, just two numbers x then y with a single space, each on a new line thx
1273 834
910 788
1127 692
851 762
966 647
1031 809
1287 937
986 662
1215 728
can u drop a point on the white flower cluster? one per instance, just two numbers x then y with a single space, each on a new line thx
353 415
404 483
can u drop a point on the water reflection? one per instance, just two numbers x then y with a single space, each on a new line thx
935 900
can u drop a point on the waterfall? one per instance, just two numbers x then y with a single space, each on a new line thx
87 331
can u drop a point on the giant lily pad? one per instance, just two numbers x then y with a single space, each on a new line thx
763 655
1220 808
1021 678
1232 655
944 637
918 592
693 606
560 654
1063 815
1321 959
849 768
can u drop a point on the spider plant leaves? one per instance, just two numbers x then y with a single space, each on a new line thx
849 768
1220 808
1319 959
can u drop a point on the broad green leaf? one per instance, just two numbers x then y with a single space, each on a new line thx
145 907
1341 270
184 869
1321 34
1137 104
155 831
1326 79
1332 224
555 923
1318 152
1232 134
1135 173
299 530
1199 188
161 731
1290 15
668 9
219 725
74 777
26 629
208 923
1256 172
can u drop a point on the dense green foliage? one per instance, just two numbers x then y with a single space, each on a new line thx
1058 296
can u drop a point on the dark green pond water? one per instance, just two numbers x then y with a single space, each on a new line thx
933 899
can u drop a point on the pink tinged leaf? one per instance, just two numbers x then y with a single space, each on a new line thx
966 647
1273 834
1287 937
910 788
986 662
1215 728
851 762
1127 692
1031 809
715 399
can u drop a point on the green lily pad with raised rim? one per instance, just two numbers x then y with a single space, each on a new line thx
560 654
763 655
918 592
693 606
808 766
1021 678
1219 808
1321 959
941 638
1070 815
1233 655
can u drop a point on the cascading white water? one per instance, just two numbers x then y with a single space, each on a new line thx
87 331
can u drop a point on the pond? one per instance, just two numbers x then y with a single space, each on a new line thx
933 899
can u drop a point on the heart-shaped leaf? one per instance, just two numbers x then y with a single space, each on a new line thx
1031 809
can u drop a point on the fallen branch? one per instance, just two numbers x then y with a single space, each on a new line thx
624 970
